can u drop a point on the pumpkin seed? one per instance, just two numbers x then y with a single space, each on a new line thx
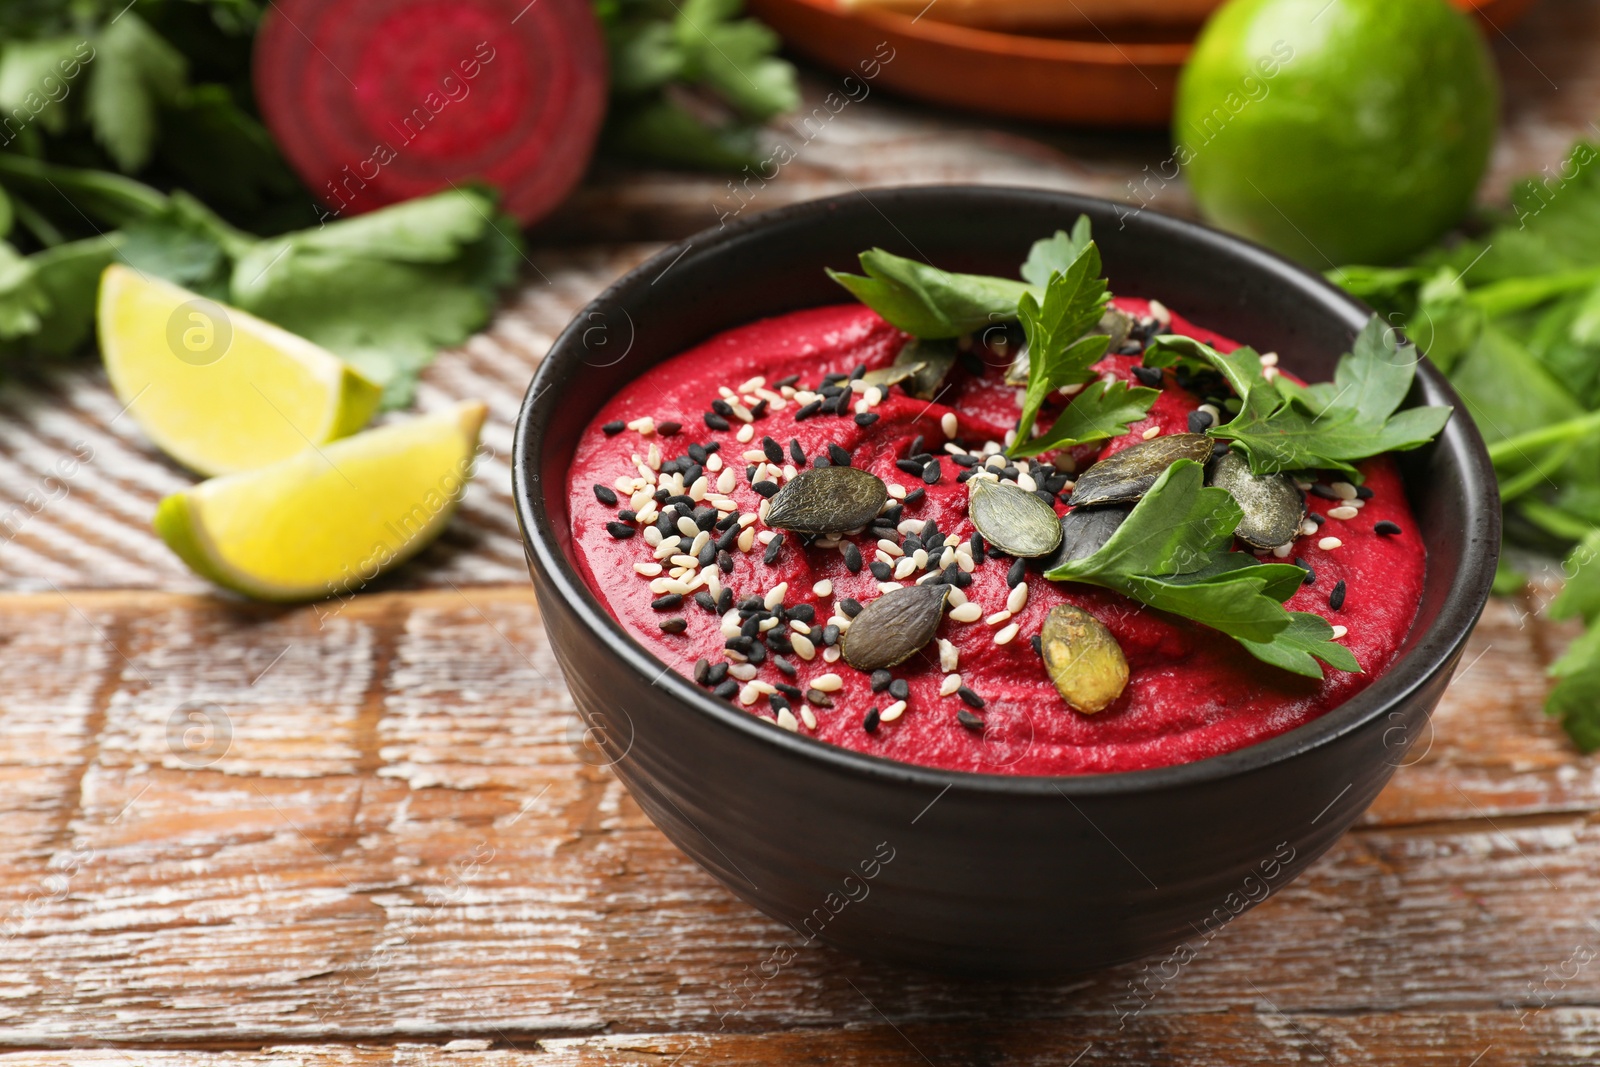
1114 324
1273 508
892 375
827 500
1124 477
1084 660
1012 519
932 360
892 628
1084 531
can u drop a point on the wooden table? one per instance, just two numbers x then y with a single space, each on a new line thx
364 833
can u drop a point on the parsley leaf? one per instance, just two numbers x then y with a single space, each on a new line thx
134 71
1103 409
1055 254
927 302
1282 426
1575 698
1060 348
1172 553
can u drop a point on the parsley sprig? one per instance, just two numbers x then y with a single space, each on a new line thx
1173 553
1284 426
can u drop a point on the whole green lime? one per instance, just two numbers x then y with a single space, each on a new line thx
1337 131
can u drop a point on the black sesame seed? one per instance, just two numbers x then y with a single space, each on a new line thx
698 453
730 537
915 496
702 670
870 722
910 545
1336 598
707 555
881 570
962 579
767 489
1316 519
850 606
775 546
715 421
900 689
716 674
931 473
892 513
1018 571
804 612
966 475
667 601
1363 492
750 627
783 665
674 626
727 689
797 453
723 408
1150 376
787 380
705 600
757 654
787 690
1219 449
1311 575
969 720
705 518
852 558
620 530
772 450
778 703
668 429
977 547
1324 492
760 410
910 466
866 418
858 371
611 429
818 698
969 698
1038 646
807 411
605 495
627 515
725 562
830 634
1199 421
1386 528
838 456
880 681
724 599
964 460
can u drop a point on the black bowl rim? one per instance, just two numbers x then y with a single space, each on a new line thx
1469 590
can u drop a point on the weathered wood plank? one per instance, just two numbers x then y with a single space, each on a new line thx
1252 1032
397 838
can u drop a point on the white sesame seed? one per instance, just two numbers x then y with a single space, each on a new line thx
1152 432
995 462
1269 359
910 526
731 629
951 683
1072 389
776 594
947 557
1018 598
648 514
823 588
919 558
787 721
897 491
1357 503
746 519
956 597
1328 544
746 432
1339 631
755 455
649 570
684 561
1025 481
808 717
766 536
741 412
1343 511
889 547
1309 529
687 526
1343 490
733 655
948 424
723 504
761 512
726 482
830 654
748 693
1159 312
998 617
968 612
965 561
903 569
652 536
827 683
948 655
892 712
1011 438
1216 415
1006 635
803 646
1298 483
654 458
888 587
1270 373
747 539
1283 551
714 462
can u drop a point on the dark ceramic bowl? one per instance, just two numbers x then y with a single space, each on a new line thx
979 872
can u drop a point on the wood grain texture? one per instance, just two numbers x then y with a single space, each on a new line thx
395 837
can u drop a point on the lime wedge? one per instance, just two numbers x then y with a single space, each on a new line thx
218 389
329 519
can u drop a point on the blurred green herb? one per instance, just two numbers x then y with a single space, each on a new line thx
1513 317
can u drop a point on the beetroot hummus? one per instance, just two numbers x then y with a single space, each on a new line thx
697 426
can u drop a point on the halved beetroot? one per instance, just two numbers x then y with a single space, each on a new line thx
376 101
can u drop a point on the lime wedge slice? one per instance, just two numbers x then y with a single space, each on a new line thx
332 518
218 389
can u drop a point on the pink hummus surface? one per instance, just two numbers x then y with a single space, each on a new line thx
1192 692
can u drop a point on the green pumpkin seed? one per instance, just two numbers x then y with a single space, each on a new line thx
932 360
827 500
893 375
1084 531
1273 508
1084 660
1012 519
1124 477
891 629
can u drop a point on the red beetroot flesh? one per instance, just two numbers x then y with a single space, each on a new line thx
1192 693
378 101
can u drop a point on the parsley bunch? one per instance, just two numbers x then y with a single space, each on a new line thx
1513 317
